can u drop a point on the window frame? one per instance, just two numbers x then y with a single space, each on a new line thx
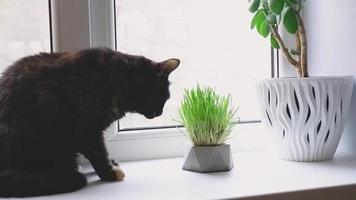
91 23
82 24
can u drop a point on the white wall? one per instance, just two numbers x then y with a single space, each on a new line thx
331 32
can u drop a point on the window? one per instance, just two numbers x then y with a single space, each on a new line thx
24 29
213 41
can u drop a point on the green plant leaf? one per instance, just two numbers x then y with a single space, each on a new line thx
290 21
254 5
271 19
276 6
207 116
264 29
257 19
274 42
260 20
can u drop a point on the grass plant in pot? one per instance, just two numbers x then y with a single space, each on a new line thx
306 114
209 120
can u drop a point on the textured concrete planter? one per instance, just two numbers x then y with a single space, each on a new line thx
205 159
306 115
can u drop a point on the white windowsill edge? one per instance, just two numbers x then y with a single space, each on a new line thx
256 175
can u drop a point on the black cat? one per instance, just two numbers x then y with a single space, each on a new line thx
55 105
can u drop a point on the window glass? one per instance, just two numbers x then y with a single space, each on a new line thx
211 38
24 29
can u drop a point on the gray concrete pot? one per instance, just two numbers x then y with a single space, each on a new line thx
205 159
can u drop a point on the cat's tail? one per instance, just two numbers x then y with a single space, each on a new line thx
24 184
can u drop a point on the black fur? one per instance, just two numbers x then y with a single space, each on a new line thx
53 106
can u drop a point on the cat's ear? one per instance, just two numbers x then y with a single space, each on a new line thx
169 66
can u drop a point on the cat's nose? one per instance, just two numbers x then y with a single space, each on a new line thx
156 114
149 116
153 114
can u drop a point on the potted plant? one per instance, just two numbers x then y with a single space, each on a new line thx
208 119
306 114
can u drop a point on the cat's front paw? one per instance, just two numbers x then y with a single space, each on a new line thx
119 174
114 162
114 174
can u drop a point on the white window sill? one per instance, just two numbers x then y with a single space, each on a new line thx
256 175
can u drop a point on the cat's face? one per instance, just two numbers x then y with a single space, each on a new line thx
152 87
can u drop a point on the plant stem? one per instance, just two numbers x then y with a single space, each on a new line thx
303 46
289 57
297 40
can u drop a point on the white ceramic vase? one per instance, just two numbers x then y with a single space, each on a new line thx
306 116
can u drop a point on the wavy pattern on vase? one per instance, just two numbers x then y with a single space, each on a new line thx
306 116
